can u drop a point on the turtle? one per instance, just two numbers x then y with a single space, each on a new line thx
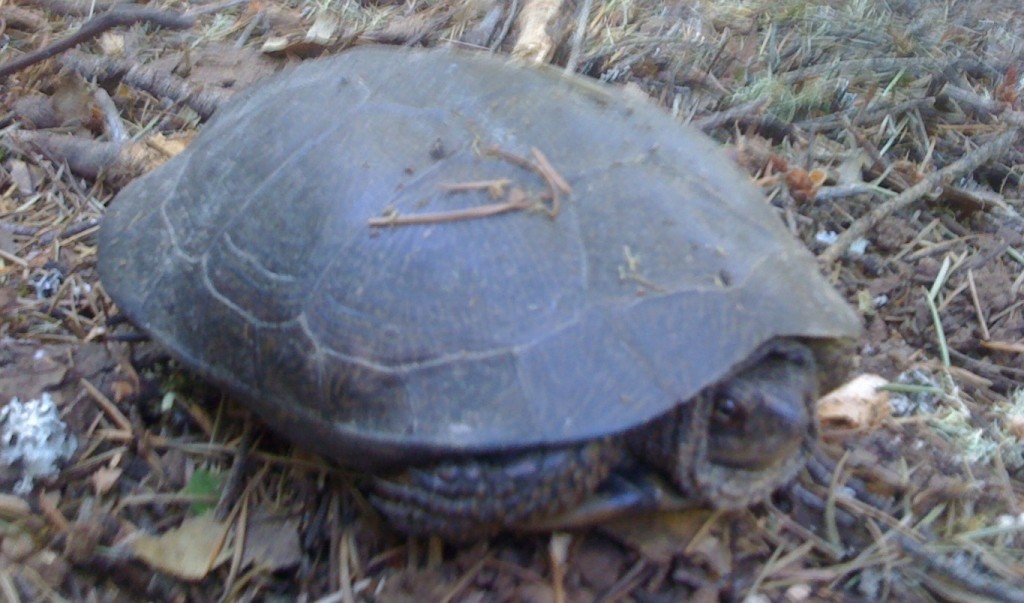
497 290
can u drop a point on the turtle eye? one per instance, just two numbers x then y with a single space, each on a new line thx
727 412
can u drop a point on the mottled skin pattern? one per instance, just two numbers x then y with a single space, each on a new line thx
470 498
730 446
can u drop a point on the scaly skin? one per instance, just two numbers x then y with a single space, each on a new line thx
478 497
729 447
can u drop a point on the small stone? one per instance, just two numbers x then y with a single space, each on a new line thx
17 547
798 592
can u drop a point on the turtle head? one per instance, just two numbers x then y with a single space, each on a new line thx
758 427
761 417
741 439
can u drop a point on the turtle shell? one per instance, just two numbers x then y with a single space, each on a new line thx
252 257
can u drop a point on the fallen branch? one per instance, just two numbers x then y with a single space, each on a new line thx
122 15
535 44
116 131
981 104
37 111
16 17
962 574
958 168
721 118
77 8
157 83
87 157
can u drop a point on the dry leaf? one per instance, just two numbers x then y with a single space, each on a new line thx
323 29
851 169
660 536
22 177
30 370
73 101
1009 90
713 553
189 551
272 540
855 405
804 185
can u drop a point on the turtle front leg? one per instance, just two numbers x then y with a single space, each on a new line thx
471 498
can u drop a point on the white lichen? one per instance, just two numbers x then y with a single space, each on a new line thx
33 440
858 247
826 237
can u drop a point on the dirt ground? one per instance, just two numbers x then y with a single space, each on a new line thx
885 133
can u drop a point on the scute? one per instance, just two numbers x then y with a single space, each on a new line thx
250 256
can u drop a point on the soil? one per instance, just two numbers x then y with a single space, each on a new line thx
175 492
